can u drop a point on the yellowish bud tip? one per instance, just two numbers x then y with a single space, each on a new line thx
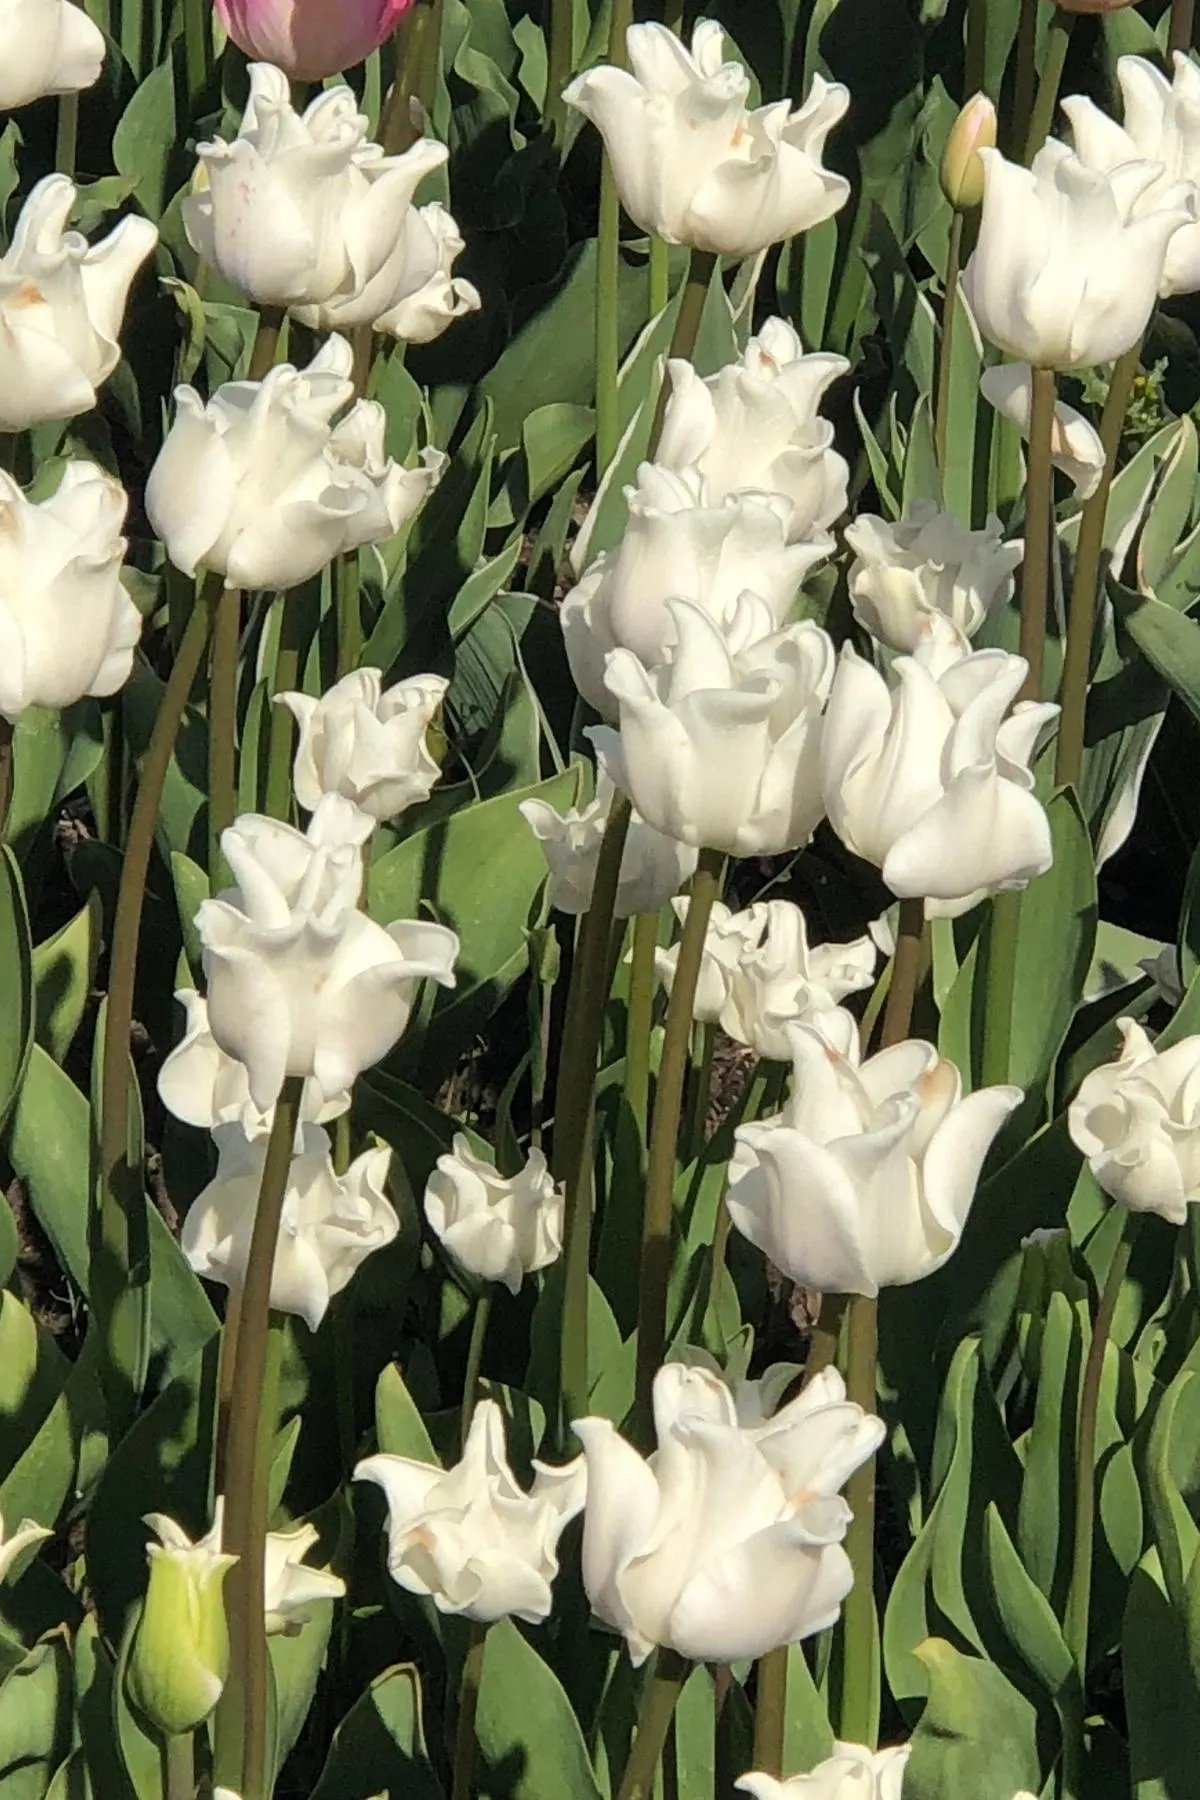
962 167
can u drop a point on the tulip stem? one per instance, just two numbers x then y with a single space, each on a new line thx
468 1705
225 1367
1080 1595
267 337
1085 579
1002 930
278 802
180 1765
770 1711
664 1135
1181 29
826 1337
120 1252
560 48
660 275
66 134
654 1722
418 40
946 347
640 1018
241 1724
197 49
479 1329
703 1045
701 264
907 962
349 616
1054 57
571 1144
1024 79
608 272
975 47
222 729
6 772
1039 508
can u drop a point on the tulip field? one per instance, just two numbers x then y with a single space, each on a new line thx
599 900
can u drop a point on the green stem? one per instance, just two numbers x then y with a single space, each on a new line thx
1025 79
700 1088
278 802
179 1756
608 319
857 1721
975 47
222 729
241 1726
701 264
907 962
945 349
583 1026
479 1329
1085 580
1039 508
418 41
654 1721
1054 57
120 1298
6 772
349 615
1002 930
266 342
1182 27
197 49
827 1334
66 134
468 1705
225 1367
640 1017
664 1134
1079 1597
560 43
770 1711
660 275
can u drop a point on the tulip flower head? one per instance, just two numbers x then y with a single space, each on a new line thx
310 39
1137 1120
62 301
497 1228
202 1086
925 563
180 1655
46 47
853 1772
754 426
470 1537
653 867
365 744
691 163
961 172
259 485
1075 445
866 1178
67 626
291 1588
726 1543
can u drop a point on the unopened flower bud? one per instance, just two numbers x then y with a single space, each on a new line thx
962 171
180 1655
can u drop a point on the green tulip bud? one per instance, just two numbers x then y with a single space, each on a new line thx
962 169
180 1655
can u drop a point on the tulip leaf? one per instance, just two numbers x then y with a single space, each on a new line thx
147 143
1031 1627
978 1734
1046 1519
64 968
36 1705
1170 1482
399 1427
33 1372
380 1744
53 753
16 959
1167 638
532 1746
1162 1700
95 1672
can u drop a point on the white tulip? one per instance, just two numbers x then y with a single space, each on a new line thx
46 47
927 563
290 1587
853 1772
260 485
1137 1120
728 936
299 981
365 744
498 1228
726 1543
304 211
67 626
330 1223
676 546
16 1543
653 867
1069 260
469 1536
202 1086
1075 446
62 301
866 1178
720 746
1162 126
691 163
755 425
929 779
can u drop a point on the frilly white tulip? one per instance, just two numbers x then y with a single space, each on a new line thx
16 1543
1075 445
469 1536
498 1228
202 1086
927 562
720 746
929 779
365 744
299 981
853 1772
691 163
653 867
67 626
260 486
62 301
726 1543
180 1654
304 211
46 47
330 1223
1162 126
290 1587
755 425
1137 1120
866 1178
677 546
759 971
1069 259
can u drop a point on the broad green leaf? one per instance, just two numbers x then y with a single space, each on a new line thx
36 1702
380 1744
977 1735
532 1746
1162 1700
64 968
1168 639
1046 1521
399 1427
33 1372
1032 1628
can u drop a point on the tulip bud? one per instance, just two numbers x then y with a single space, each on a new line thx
961 170
180 1654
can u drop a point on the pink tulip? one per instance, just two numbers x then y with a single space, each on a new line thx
309 39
